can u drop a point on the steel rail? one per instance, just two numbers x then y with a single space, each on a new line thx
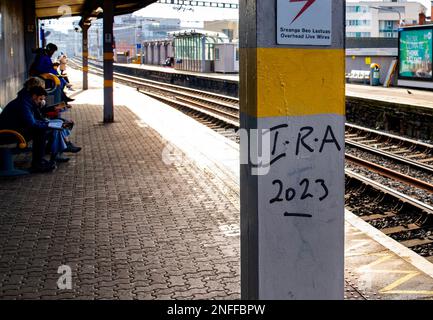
391 173
209 108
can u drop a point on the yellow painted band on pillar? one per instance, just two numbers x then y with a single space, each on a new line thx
85 69
85 54
108 56
108 83
293 82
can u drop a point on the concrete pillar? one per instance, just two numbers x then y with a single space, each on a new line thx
42 39
152 54
85 57
203 53
292 104
108 8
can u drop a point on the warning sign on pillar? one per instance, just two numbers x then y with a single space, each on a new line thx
304 22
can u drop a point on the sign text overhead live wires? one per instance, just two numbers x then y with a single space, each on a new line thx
304 22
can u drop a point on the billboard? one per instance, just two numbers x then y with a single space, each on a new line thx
415 54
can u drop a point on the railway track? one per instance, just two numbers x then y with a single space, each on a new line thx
403 218
406 151
222 112
400 217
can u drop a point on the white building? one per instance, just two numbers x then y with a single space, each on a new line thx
380 18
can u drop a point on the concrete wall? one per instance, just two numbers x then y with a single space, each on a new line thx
220 86
358 63
226 62
170 50
371 42
156 52
380 50
12 50
412 121
156 55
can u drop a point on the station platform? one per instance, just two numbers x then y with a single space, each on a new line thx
220 83
396 95
150 210
402 96
228 84
213 75
407 112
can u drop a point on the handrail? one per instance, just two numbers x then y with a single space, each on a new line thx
52 77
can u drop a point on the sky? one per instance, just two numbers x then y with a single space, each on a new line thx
426 3
190 16
189 13
200 14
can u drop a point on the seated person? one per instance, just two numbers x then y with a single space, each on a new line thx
62 142
19 115
63 60
43 64
58 73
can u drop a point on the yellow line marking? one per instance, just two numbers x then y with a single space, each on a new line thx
357 233
378 261
361 243
390 271
407 276
399 282
420 292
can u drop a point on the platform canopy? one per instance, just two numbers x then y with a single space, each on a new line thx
87 9
56 9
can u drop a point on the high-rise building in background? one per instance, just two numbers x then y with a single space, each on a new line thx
380 19
229 27
130 30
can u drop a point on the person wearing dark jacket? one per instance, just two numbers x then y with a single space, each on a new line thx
43 64
19 115
58 140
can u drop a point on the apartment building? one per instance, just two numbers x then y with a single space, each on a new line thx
380 19
229 27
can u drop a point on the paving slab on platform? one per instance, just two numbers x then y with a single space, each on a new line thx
212 75
129 225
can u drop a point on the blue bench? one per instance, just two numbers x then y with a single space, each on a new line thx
358 76
11 142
